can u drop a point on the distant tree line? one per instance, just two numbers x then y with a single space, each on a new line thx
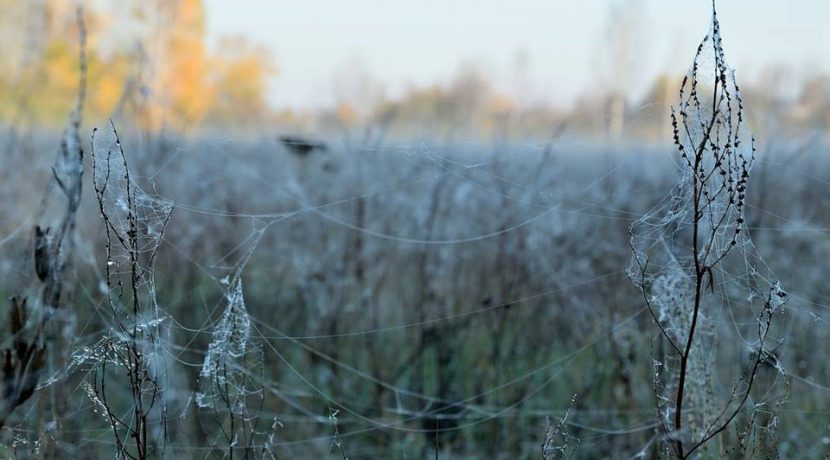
148 62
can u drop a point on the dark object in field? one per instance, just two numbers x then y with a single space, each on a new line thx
301 146
441 422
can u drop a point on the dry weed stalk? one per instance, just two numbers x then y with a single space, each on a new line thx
134 228
683 250
24 361
558 444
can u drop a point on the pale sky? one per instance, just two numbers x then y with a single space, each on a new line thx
562 43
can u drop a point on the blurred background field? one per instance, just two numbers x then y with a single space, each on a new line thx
446 272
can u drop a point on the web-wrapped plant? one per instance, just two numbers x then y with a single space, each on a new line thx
130 361
230 382
697 267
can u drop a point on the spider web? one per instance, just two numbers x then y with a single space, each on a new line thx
312 336
538 212
695 245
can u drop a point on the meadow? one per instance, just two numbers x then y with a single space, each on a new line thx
232 296
469 290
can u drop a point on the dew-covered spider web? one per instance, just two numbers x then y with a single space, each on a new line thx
412 298
133 351
706 285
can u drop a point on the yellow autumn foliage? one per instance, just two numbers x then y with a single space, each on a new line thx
165 77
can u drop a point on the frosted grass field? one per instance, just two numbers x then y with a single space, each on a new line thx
365 294
473 287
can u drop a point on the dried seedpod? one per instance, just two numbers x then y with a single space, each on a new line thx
43 259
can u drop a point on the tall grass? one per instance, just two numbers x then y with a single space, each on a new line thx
423 300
